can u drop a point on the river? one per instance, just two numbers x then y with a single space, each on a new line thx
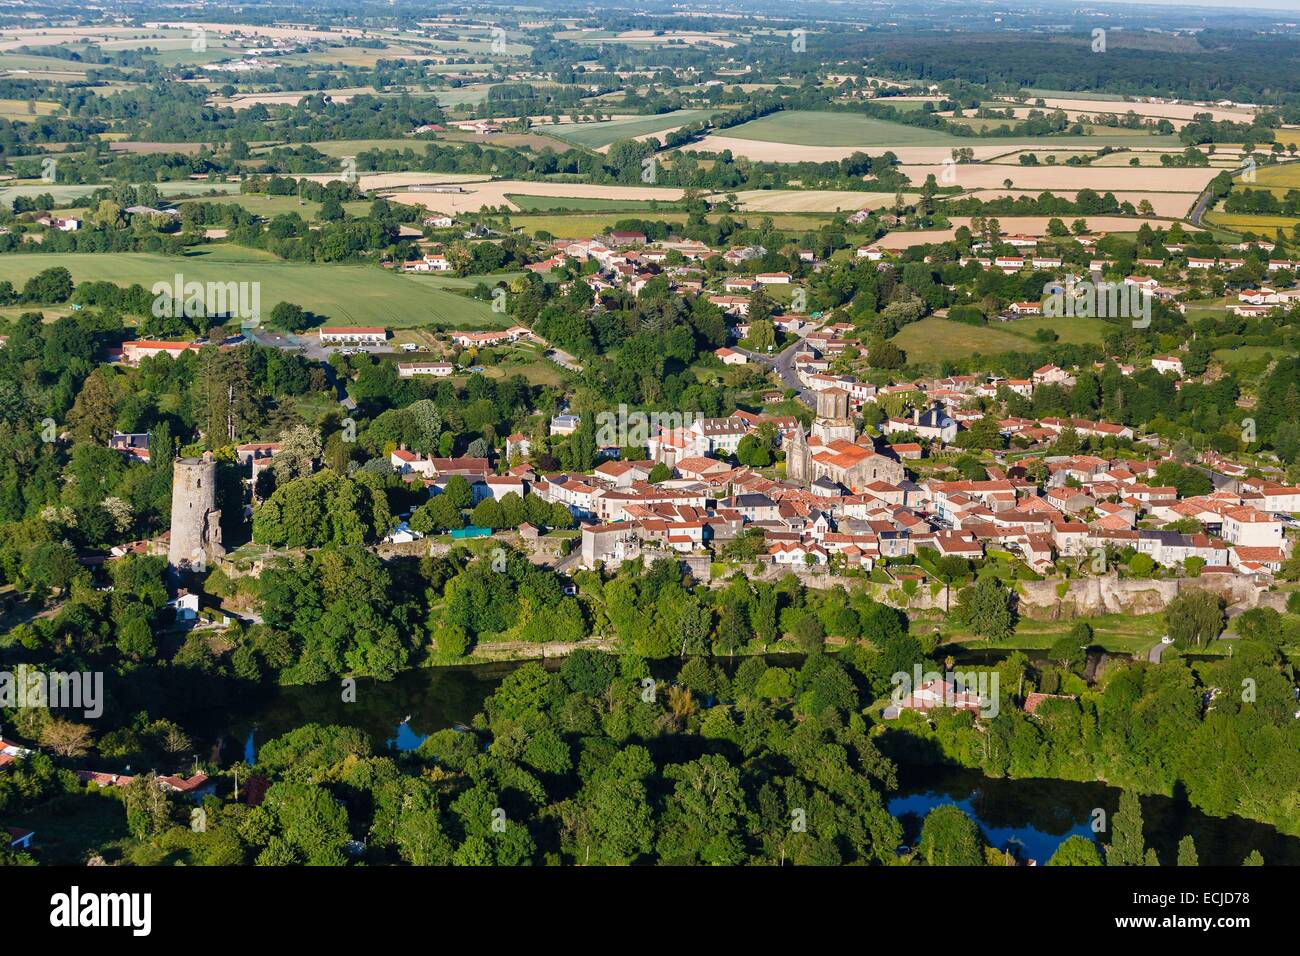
1028 817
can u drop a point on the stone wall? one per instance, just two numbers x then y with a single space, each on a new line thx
1108 594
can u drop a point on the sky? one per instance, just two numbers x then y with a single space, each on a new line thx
1292 6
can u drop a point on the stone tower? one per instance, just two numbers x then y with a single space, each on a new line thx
834 421
196 522
798 457
833 403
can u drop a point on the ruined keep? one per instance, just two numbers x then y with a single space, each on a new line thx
196 522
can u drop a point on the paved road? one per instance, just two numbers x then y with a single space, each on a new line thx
783 364
564 360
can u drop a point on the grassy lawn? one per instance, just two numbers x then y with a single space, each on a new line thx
345 294
1115 633
936 340
1071 331
1249 353
270 206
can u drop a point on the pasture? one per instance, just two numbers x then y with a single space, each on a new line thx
346 294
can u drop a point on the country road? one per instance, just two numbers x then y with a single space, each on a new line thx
783 364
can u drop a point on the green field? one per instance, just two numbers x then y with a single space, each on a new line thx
596 135
1249 353
41 64
1276 178
935 339
815 128
69 193
1266 225
580 227
345 294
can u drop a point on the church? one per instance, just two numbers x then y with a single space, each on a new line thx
833 450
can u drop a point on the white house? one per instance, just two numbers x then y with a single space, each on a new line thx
409 463
353 335
1168 363
436 369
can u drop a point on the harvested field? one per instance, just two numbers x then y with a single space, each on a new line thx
24 111
1060 177
1022 225
1170 111
1165 204
814 200
649 37
58 36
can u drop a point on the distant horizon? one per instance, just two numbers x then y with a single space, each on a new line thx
1269 6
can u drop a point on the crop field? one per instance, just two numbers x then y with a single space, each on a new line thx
597 135
344 294
1236 222
1282 176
